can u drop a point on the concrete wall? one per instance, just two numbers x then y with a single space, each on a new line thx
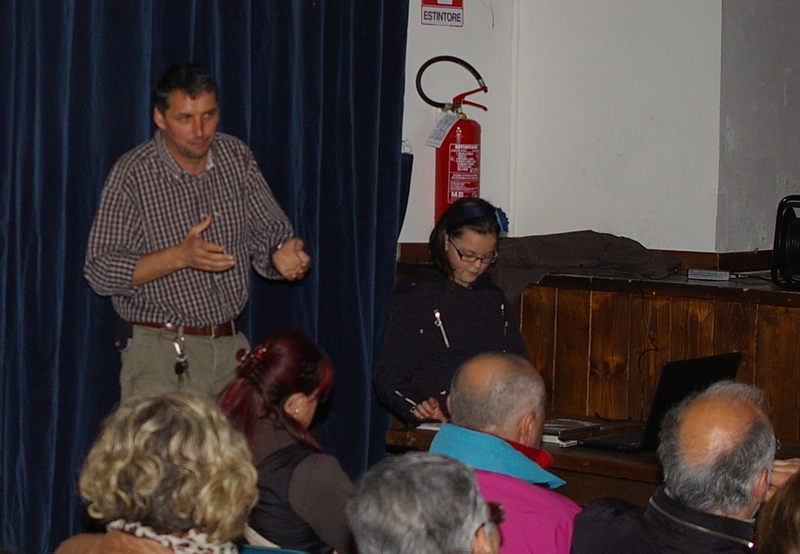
672 122
760 119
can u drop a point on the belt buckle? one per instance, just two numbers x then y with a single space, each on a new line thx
213 331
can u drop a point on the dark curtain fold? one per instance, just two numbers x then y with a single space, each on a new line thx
316 90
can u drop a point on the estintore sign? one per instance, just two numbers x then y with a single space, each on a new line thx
449 13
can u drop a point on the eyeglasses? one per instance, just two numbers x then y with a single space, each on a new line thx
497 514
472 258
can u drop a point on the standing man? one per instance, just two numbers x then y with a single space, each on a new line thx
180 218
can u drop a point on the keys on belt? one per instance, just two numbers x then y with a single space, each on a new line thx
226 329
180 357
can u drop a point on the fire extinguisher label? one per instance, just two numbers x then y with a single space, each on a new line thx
463 173
443 127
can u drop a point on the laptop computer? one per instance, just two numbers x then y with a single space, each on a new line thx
679 379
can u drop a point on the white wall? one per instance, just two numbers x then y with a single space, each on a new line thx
606 115
618 127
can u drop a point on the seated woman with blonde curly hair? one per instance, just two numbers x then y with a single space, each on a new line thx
167 474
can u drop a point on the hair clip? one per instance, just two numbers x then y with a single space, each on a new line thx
243 354
502 221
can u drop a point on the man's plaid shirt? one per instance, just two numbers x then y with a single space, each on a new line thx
149 203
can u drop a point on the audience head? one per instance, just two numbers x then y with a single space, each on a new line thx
187 77
284 377
778 527
173 463
717 449
502 394
469 229
421 503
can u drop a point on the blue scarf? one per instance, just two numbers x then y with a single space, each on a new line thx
490 453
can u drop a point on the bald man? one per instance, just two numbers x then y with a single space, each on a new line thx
497 404
717 450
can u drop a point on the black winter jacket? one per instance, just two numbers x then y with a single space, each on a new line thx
614 526
421 350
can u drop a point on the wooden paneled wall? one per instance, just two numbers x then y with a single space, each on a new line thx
600 343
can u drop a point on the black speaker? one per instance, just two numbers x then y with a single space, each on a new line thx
786 248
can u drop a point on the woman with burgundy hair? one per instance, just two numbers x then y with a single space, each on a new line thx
272 401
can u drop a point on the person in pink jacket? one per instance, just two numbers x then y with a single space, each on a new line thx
497 414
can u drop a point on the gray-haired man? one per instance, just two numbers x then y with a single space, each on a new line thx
422 503
717 450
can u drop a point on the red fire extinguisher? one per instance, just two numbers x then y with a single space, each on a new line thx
458 157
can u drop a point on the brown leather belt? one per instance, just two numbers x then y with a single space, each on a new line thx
226 329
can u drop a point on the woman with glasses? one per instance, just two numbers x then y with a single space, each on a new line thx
445 314
272 401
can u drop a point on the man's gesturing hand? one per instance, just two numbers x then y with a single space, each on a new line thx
291 260
196 253
193 252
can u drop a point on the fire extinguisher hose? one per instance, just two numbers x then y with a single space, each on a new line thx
453 59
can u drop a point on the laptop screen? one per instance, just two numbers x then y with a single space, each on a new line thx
681 378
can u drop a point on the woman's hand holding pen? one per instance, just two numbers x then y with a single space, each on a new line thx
429 410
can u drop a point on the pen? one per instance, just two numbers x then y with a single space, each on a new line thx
407 399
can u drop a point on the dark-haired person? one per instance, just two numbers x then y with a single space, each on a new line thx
445 314
168 474
778 523
180 218
272 401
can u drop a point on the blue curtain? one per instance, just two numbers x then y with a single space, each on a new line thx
314 87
